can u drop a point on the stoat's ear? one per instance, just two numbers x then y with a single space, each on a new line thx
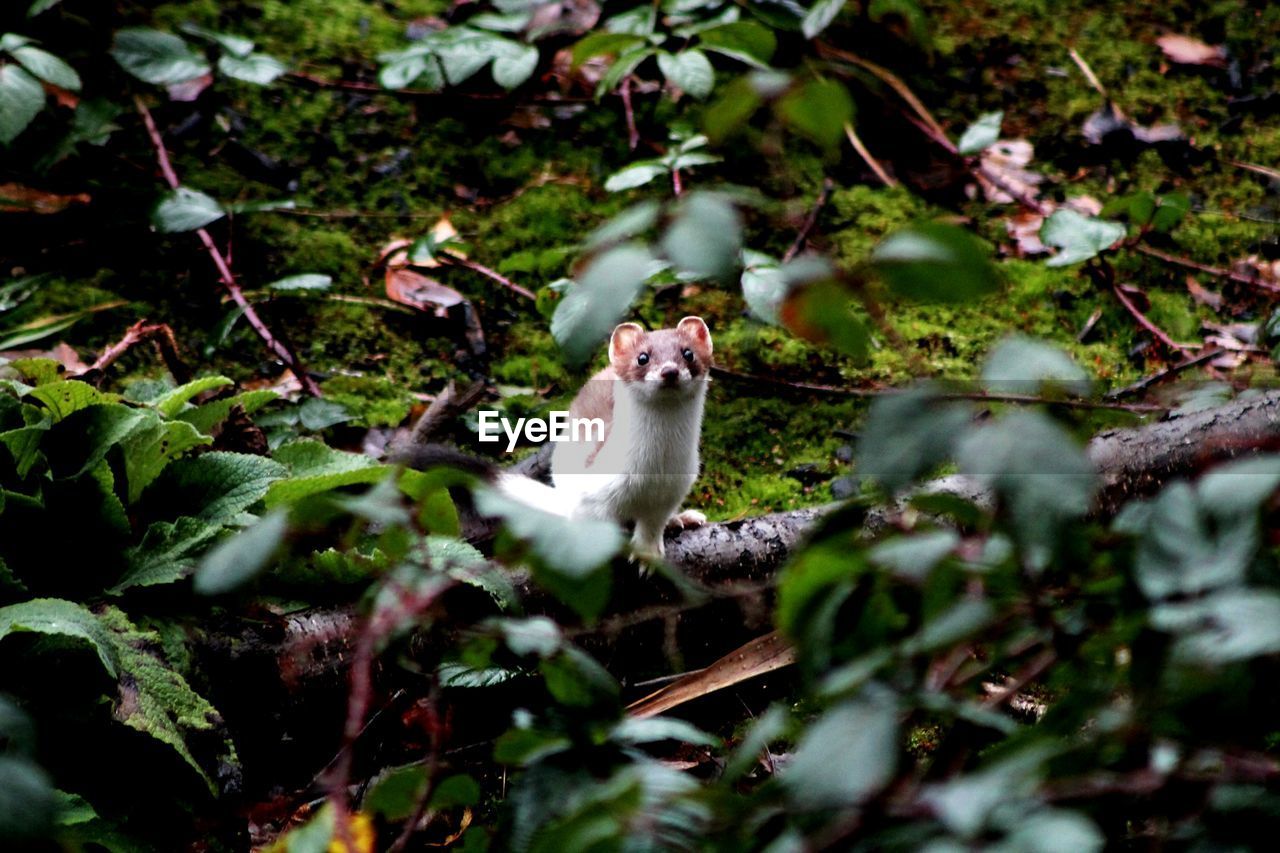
626 337
695 330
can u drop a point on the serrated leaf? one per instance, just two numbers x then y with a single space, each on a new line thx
982 134
690 70
63 618
602 44
208 415
167 553
151 446
935 262
185 209
820 16
596 302
257 68
1078 237
302 281
214 487
67 396
314 467
239 558
157 57
171 403
21 98
47 67
156 700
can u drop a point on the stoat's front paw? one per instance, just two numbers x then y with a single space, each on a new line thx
645 556
688 518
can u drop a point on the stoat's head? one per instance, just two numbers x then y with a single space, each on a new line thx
666 364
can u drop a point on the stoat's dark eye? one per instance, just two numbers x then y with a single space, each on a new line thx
642 359
688 355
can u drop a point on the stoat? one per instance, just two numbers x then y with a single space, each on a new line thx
650 398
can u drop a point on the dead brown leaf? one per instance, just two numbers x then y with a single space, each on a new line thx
418 291
1006 163
1203 295
1185 50
761 655
189 90
15 198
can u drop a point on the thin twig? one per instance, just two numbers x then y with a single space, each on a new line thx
811 220
1029 673
312 81
978 396
676 186
1146 323
420 810
1273 174
220 263
1156 378
447 405
1088 73
141 331
1217 272
892 80
633 135
448 257
856 142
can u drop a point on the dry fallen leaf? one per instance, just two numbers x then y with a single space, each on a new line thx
15 198
1186 50
1003 172
189 90
417 291
1024 227
761 655
1203 295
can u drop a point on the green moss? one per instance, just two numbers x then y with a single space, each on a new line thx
374 400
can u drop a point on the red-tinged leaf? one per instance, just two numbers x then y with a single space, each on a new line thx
189 90
417 291
1185 50
15 198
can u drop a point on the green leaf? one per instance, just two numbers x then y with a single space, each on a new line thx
41 6
935 262
237 46
820 16
600 298
634 730
604 44
850 753
395 793
214 487
241 557
635 175
185 209
257 68
1173 208
67 396
166 554
157 57
1225 627
914 557
402 69
206 416
639 20
172 402
151 446
1040 473
1050 830
908 434
965 803
315 468
512 69
62 618
982 134
747 41
731 110
705 238
573 554
21 98
819 110
633 221
315 835
156 700
1078 237
818 311
47 67
625 64
690 70
27 802
1021 365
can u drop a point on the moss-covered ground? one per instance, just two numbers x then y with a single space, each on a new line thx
523 186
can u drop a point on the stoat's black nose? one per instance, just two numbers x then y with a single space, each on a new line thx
670 375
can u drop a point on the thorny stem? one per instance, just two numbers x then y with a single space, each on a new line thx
220 263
